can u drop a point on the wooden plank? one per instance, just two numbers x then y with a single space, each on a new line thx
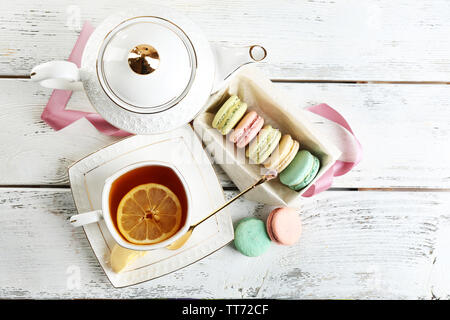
404 130
29 145
338 40
364 245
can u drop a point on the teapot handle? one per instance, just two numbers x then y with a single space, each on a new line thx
230 59
62 75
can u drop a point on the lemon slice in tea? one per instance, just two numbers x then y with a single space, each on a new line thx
148 214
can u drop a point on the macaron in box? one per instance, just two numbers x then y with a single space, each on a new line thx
278 112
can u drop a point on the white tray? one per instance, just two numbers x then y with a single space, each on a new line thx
273 105
183 149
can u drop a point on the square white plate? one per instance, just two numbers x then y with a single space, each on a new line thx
182 149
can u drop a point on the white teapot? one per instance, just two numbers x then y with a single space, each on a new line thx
148 71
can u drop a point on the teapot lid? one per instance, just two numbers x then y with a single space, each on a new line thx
146 64
148 70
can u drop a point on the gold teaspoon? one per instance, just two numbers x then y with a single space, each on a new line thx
182 240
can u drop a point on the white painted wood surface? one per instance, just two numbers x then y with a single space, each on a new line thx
364 245
378 244
339 40
404 143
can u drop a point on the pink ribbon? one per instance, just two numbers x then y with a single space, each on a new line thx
339 168
55 114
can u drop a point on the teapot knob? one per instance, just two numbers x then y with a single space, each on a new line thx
143 59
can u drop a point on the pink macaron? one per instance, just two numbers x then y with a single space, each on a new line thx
284 226
247 129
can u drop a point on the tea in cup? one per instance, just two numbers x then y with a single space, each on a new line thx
145 206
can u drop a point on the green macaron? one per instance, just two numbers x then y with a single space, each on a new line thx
250 237
229 114
301 171
264 144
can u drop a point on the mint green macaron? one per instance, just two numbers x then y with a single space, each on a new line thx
229 114
250 237
301 171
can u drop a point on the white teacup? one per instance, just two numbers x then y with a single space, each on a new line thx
104 213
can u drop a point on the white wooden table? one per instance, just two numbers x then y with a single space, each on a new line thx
382 231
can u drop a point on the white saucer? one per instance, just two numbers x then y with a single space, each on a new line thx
183 149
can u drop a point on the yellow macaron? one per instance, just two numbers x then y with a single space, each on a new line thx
283 155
